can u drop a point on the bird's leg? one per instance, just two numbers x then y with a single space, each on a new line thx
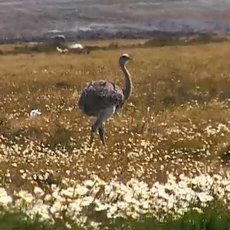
101 133
94 128
91 138
103 116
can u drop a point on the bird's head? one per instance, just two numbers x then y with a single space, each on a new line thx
124 58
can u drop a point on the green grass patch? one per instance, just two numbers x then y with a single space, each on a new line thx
20 221
214 217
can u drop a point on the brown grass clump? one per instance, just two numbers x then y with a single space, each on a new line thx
176 120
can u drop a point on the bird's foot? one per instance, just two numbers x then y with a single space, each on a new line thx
91 139
102 138
102 135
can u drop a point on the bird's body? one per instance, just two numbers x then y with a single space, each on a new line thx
102 98
99 95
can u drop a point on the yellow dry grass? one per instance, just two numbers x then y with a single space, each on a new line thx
177 119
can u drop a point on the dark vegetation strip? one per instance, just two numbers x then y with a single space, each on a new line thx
214 217
159 41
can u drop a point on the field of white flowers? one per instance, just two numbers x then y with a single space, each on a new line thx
95 201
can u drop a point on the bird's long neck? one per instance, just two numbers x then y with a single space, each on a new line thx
128 82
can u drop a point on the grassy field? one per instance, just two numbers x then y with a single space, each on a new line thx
176 121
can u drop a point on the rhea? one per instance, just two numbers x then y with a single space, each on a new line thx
102 99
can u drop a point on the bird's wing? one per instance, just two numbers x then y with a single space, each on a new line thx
101 94
107 92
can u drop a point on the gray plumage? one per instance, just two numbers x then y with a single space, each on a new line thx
99 95
102 98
